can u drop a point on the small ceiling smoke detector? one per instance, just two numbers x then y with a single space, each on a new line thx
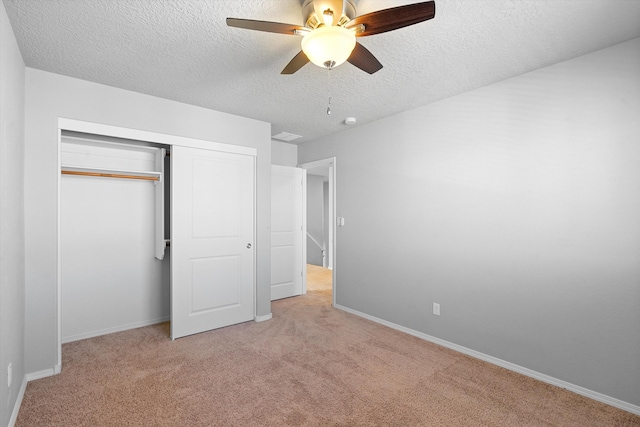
350 121
286 136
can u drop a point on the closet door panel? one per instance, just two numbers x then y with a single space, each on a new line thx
212 240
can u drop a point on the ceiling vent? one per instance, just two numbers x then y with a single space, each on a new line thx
286 136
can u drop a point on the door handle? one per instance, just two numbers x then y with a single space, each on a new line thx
248 245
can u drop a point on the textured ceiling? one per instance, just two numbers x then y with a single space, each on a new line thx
183 50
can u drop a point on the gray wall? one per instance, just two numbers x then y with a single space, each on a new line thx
283 154
326 217
517 208
315 218
12 323
50 96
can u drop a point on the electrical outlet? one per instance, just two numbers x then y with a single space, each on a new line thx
9 374
436 309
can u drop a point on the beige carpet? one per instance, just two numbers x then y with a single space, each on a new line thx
311 365
319 280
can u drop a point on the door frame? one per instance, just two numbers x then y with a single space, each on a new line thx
99 129
331 164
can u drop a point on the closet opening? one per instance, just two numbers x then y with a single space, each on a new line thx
114 234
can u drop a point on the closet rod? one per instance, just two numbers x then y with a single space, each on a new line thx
110 175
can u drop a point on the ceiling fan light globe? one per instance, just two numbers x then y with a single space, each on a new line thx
328 45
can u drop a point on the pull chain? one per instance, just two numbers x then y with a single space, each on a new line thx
329 89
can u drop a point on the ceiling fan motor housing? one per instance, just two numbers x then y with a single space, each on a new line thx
312 11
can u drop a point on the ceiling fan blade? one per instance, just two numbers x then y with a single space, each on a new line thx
393 18
298 61
363 59
269 27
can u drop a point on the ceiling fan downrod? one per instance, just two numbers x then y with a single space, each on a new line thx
329 90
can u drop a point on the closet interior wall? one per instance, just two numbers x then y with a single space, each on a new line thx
111 277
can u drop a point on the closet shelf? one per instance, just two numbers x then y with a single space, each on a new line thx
111 173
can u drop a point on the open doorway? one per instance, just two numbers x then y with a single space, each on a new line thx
320 227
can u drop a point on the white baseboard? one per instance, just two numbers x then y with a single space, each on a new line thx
43 374
502 363
114 329
16 406
263 318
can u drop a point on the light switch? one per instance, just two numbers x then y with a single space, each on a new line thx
340 221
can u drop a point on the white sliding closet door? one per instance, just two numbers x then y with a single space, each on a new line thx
287 239
212 240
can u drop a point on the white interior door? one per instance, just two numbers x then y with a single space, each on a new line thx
212 240
287 236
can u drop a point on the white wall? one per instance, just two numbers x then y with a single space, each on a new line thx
50 96
12 324
284 154
517 208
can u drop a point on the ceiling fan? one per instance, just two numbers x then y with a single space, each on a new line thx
330 31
